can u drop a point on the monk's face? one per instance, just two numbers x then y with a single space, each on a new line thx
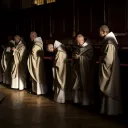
80 41
17 39
102 33
50 48
32 36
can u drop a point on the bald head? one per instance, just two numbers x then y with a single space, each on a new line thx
50 48
103 30
33 35
17 39
80 39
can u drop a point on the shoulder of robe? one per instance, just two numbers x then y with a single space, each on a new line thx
112 42
21 47
39 44
62 52
62 55
86 48
110 46
90 47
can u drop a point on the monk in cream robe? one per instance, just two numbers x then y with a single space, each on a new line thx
82 72
109 75
6 62
1 70
59 71
19 65
36 66
1 74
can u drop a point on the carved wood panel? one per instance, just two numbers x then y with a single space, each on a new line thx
83 22
117 15
97 16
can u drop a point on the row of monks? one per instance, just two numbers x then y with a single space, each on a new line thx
15 64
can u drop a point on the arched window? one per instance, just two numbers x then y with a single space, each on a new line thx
40 2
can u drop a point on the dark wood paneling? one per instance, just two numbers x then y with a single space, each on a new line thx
97 15
62 20
83 17
46 21
117 15
57 21
16 4
68 19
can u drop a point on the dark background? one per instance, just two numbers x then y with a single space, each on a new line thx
63 20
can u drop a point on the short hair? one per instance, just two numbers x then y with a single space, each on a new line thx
33 32
79 35
104 28
17 36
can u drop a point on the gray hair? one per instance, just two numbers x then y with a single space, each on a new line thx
104 28
33 32
79 36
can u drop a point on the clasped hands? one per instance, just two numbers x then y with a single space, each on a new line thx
75 56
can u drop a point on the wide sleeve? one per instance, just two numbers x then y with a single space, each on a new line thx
60 62
18 54
88 55
86 68
106 65
109 54
3 60
35 50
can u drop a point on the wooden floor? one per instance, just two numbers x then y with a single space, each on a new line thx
23 110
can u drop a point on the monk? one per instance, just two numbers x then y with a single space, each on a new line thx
109 78
82 71
19 65
6 62
1 71
36 65
1 74
59 71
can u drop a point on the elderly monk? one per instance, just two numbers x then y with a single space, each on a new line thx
36 65
19 65
59 71
82 71
109 78
6 62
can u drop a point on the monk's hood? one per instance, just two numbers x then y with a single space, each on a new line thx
85 43
111 36
38 39
57 44
12 42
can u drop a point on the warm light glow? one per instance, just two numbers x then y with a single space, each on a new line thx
35 1
51 1
40 2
